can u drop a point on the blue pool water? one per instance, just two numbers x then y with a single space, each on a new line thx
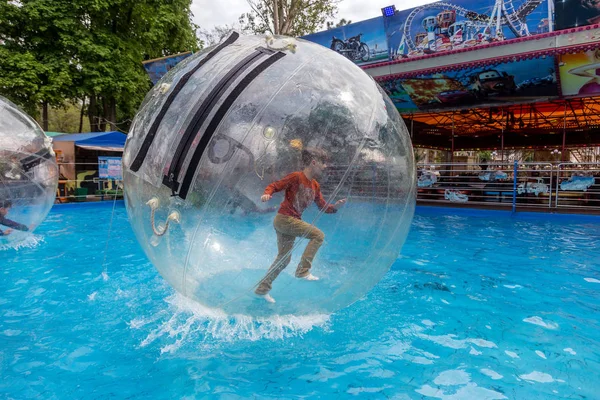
480 305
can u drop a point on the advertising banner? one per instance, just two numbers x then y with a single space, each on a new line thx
580 73
500 83
110 168
363 42
157 68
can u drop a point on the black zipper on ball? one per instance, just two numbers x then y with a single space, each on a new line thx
176 169
145 147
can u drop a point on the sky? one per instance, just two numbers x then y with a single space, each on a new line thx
210 13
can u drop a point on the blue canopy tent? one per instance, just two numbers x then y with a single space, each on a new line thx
103 141
79 170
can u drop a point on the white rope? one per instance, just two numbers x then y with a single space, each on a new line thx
174 216
105 268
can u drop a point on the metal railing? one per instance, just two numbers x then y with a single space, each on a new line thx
461 183
576 186
511 185
506 185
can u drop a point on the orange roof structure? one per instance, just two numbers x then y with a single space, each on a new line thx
535 125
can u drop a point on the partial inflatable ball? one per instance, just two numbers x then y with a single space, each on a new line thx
28 174
222 130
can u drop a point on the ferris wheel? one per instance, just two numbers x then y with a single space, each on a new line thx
503 14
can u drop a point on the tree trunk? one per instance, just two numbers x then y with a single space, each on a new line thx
81 115
286 27
282 14
276 29
104 115
93 115
112 114
45 116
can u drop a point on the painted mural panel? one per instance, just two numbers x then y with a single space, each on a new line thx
457 24
574 13
580 73
363 42
399 96
500 83
160 66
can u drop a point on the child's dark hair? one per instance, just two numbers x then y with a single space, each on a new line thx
313 153
5 204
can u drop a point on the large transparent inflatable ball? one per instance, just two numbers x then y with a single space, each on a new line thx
221 127
28 174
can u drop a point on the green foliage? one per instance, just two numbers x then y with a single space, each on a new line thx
290 17
441 157
419 155
55 51
217 34
527 156
339 24
484 155
117 36
34 67
19 78
66 119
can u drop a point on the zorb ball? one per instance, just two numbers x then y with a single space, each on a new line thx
227 122
28 173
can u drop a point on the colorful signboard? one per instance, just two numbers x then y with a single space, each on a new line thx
110 168
364 42
574 13
580 73
519 81
157 68
437 27
457 24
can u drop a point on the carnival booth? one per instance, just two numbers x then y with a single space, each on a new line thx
89 163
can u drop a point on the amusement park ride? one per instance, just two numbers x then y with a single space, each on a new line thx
444 32
529 113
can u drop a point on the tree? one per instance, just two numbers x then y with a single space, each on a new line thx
55 51
34 65
67 119
116 36
217 34
339 24
288 17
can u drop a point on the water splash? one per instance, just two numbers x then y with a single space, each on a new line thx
535 320
29 241
190 322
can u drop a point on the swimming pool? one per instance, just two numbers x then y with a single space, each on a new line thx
480 305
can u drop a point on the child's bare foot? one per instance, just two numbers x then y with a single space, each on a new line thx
310 277
267 297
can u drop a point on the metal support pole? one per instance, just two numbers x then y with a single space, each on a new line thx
515 171
502 137
550 195
564 138
502 147
452 156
